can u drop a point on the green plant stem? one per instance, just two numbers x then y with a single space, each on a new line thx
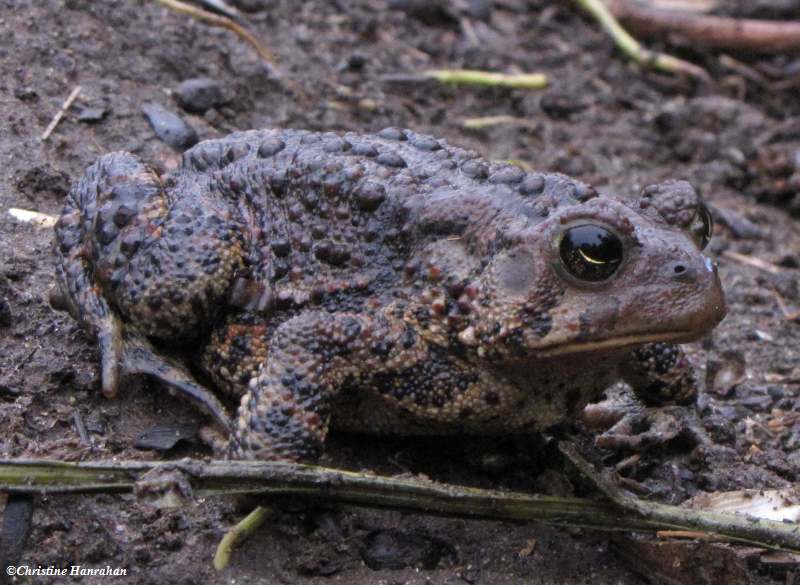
633 49
239 533
488 78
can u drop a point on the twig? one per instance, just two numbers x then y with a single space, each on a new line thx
601 481
26 359
238 533
633 49
743 70
690 534
318 483
224 22
788 314
489 78
689 5
754 262
483 122
60 114
83 434
714 32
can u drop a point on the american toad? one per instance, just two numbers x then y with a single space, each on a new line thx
388 283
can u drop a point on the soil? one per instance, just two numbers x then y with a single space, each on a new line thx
347 66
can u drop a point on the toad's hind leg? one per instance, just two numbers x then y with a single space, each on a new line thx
133 259
286 412
234 354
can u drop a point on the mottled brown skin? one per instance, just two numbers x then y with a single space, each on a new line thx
389 283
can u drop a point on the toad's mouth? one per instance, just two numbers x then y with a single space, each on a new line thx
681 336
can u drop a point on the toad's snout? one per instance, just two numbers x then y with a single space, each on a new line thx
699 290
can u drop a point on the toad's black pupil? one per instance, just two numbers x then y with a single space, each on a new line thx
590 252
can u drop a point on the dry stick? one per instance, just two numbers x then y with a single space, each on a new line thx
743 70
319 483
60 114
224 22
482 122
83 434
633 49
689 5
788 314
690 534
714 32
601 480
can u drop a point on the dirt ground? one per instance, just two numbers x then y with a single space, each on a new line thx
600 120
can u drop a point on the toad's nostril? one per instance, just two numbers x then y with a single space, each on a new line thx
682 271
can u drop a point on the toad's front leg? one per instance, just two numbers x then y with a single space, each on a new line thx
662 378
660 374
286 412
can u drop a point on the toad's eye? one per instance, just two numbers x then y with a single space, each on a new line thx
590 252
702 227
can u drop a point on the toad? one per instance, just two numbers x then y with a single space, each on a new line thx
387 283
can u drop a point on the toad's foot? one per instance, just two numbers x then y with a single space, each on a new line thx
645 428
124 353
662 379
139 357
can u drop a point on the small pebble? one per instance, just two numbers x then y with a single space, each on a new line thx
354 62
200 94
394 549
775 392
164 438
724 374
169 127
92 115
25 94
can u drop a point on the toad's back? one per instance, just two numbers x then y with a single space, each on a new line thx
278 219
336 219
